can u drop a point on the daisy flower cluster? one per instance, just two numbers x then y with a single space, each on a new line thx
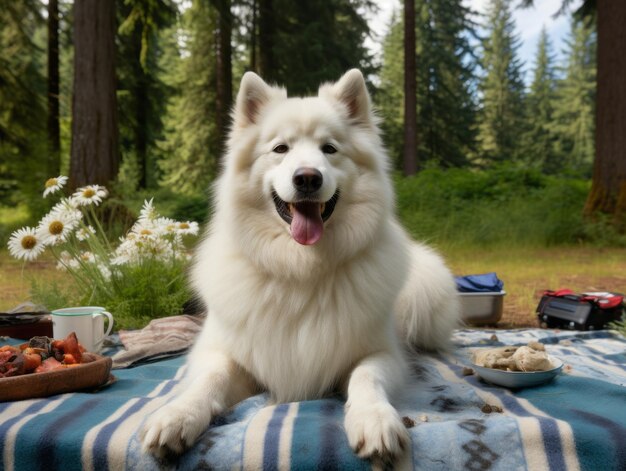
56 227
154 236
84 250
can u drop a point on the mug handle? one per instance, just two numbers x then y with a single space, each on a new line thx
109 327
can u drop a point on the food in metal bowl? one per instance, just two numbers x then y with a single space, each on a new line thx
532 357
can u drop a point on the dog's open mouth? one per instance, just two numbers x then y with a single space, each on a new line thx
305 218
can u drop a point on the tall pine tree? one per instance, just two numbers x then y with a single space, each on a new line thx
575 111
389 97
303 44
501 88
190 147
540 141
445 75
22 102
447 117
141 91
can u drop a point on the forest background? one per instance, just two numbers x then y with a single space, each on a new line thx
136 94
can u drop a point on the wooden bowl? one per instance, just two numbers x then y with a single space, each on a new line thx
62 380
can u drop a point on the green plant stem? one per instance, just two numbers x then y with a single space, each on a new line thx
80 282
97 223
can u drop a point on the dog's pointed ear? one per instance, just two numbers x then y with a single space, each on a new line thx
253 95
352 92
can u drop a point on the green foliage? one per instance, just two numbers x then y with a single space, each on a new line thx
12 218
146 17
142 92
501 88
148 291
504 206
172 204
389 96
602 231
540 140
574 114
190 146
22 105
445 72
317 41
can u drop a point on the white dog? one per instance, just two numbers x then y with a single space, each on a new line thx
311 284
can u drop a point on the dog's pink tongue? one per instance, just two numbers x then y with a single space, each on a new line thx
306 224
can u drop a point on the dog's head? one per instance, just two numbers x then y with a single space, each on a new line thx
310 169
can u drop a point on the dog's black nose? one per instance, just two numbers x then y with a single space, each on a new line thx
307 179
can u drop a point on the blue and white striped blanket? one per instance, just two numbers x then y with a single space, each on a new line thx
578 421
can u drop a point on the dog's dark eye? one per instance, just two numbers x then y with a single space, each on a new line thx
281 148
329 149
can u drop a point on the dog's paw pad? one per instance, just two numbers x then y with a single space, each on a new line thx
376 431
171 430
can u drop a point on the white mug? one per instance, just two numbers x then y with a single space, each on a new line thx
86 321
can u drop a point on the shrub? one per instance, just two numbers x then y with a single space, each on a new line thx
501 206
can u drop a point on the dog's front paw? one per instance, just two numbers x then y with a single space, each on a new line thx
376 431
172 429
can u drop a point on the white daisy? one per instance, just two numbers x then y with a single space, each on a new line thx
87 257
166 225
148 212
54 184
181 255
90 194
145 228
67 261
120 259
187 228
54 229
85 233
159 249
25 243
143 231
67 209
126 252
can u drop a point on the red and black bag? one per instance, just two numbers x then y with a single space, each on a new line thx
563 309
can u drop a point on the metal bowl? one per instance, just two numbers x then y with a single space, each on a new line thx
519 379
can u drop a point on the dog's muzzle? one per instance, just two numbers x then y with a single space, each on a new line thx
306 217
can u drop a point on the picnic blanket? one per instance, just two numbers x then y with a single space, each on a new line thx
578 421
161 338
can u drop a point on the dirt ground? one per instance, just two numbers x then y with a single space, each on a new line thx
516 313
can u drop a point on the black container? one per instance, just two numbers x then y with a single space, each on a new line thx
575 312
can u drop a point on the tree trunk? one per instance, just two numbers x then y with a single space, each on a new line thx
141 115
94 155
253 36
142 106
410 90
266 40
54 132
608 189
224 95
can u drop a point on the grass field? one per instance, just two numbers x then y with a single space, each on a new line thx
526 272
15 278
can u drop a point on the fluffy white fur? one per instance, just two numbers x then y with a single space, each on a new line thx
302 321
